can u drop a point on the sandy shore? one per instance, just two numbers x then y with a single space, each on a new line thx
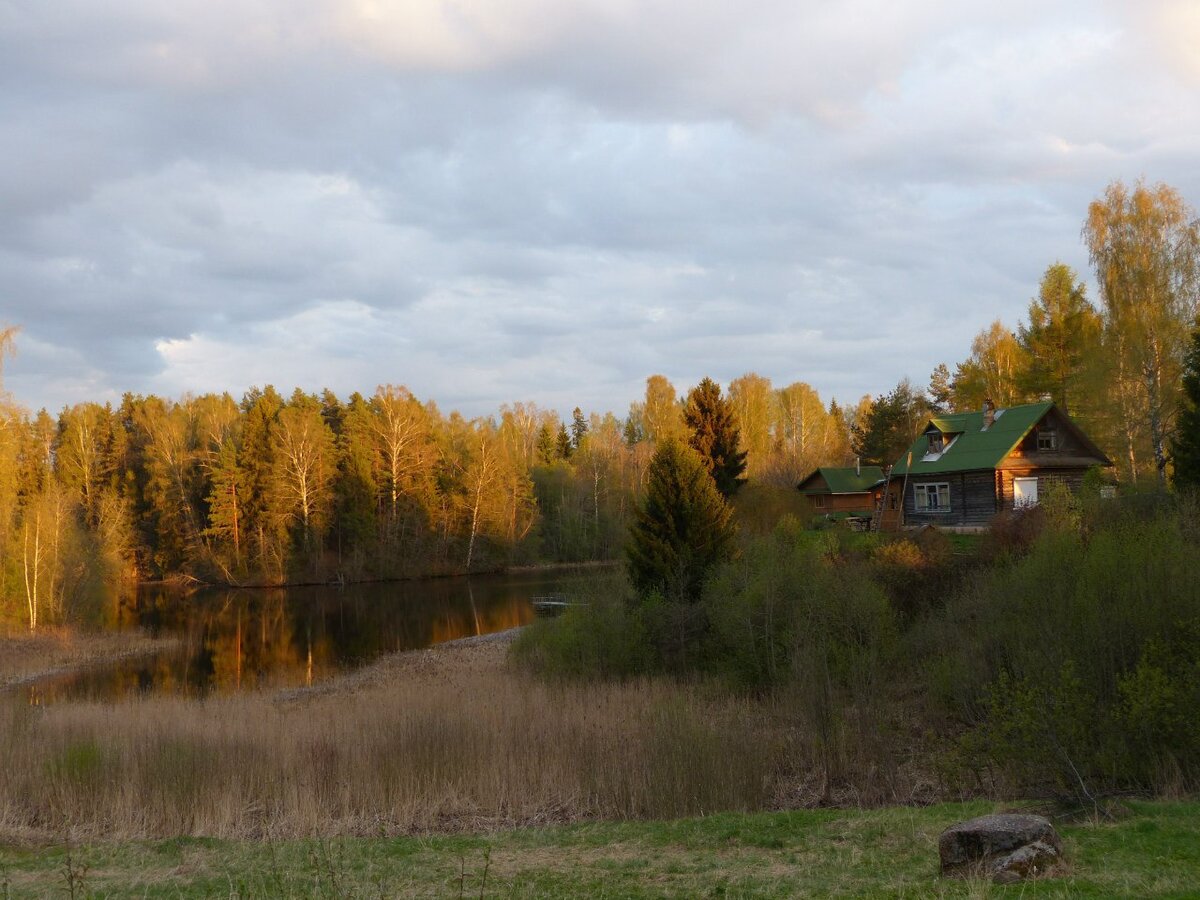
27 658
470 655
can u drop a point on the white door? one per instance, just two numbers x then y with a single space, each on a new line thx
1024 492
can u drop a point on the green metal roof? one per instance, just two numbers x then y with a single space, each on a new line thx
972 447
846 481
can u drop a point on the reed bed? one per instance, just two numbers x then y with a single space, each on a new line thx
441 749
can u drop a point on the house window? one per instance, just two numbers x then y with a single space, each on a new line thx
1025 492
1047 439
936 442
819 501
932 498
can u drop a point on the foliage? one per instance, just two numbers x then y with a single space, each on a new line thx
990 373
714 435
682 527
1050 649
940 390
1145 246
785 610
1062 335
1185 448
890 425
916 573
600 637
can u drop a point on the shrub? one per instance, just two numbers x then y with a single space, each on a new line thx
603 637
1078 654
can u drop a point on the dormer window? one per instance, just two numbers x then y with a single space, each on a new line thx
936 442
1047 439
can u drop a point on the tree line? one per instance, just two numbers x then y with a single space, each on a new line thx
270 490
309 487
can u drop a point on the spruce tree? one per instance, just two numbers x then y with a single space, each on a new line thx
681 528
1185 447
546 451
563 448
579 427
714 435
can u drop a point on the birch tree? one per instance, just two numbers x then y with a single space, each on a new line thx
1144 245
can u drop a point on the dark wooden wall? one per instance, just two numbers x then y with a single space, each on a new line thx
972 500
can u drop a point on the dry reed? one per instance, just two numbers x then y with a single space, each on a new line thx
448 747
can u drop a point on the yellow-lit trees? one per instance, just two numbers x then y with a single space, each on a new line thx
992 370
752 398
1144 244
305 465
403 441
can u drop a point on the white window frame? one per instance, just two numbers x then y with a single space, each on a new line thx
940 493
1051 434
1028 501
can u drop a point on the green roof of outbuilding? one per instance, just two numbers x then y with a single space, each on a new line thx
972 447
846 481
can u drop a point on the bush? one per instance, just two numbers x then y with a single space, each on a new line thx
916 573
789 602
602 637
1074 658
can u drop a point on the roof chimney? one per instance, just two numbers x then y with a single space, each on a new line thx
989 413
858 465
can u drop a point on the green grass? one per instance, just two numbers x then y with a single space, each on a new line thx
1152 852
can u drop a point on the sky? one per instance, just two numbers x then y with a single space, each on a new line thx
547 201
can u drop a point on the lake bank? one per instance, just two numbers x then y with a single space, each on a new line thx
26 658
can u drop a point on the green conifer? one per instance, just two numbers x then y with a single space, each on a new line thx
681 528
715 436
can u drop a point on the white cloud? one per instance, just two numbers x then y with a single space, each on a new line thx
537 199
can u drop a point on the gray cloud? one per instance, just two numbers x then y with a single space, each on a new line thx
535 200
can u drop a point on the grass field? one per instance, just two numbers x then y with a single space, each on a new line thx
1151 851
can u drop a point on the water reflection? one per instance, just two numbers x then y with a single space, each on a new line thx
246 639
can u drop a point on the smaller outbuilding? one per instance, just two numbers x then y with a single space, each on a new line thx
850 491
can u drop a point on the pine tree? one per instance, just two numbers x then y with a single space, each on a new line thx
940 391
681 528
887 429
714 435
1185 447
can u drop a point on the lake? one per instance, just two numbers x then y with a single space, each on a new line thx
245 639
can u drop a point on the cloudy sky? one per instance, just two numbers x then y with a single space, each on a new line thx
549 200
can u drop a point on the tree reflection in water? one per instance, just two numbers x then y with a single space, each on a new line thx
236 640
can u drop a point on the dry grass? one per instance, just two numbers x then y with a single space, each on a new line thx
25 657
434 740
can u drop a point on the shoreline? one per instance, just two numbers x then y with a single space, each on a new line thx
191 583
392 669
29 658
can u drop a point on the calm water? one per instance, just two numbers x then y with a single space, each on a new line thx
233 640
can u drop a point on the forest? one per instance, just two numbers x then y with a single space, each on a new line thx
272 489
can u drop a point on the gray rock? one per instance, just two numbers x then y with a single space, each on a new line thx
979 845
1029 861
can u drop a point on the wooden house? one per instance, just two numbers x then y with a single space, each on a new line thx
852 491
966 467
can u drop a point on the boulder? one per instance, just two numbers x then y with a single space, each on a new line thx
1007 846
1029 861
